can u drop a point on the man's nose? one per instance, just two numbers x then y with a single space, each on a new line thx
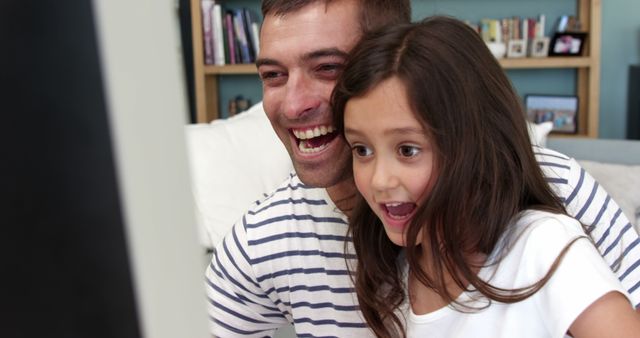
301 96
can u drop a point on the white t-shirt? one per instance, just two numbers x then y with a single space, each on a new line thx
581 278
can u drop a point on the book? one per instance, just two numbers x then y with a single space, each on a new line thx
255 29
218 39
241 36
247 18
231 38
541 24
207 33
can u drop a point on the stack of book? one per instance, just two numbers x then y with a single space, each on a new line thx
519 36
514 28
230 36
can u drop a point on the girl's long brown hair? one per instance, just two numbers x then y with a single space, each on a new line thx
488 172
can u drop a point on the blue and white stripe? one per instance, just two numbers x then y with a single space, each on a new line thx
586 200
284 262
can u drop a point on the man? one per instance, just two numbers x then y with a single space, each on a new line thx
285 261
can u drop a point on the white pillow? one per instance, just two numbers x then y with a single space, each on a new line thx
233 162
622 182
538 132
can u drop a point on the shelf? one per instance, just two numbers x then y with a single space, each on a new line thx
507 63
231 69
550 62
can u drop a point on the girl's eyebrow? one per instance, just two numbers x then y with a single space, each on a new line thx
405 130
390 131
351 131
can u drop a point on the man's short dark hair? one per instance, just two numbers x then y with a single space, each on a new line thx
373 13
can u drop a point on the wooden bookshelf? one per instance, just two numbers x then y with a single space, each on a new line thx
587 69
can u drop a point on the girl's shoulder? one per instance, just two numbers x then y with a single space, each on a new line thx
537 224
535 238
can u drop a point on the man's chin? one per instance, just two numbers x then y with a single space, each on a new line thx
321 176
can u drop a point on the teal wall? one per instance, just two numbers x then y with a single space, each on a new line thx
526 81
620 48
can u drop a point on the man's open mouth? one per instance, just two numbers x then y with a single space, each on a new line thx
313 140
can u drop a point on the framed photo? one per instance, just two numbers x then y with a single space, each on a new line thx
539 47
516 49
567 44
562 110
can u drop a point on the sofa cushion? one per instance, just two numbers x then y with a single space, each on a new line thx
233 163
622 182
538 132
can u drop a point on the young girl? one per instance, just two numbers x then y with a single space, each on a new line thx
457 233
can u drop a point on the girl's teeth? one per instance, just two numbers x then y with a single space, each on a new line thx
399 209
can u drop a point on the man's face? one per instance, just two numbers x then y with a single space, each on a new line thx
301 55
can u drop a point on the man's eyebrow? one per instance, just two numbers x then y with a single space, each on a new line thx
325 52
306 57
266 62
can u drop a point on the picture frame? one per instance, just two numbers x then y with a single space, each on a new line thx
516 48
567 44
562 110
539 47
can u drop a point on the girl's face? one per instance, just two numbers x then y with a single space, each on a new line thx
392 155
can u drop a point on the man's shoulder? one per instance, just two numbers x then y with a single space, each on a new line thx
546 155
291 190
558 168
293 202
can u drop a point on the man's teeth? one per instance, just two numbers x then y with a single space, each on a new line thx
311 133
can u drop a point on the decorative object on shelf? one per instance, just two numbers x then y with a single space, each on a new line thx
567 44
539 47
237 105
568 23
517 48
498 49
562 110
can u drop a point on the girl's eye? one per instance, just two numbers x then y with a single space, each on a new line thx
361 151
408 151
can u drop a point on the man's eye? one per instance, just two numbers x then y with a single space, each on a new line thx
270 76
408 151
331 69
361 151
